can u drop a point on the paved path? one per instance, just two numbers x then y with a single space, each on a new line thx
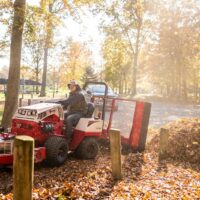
162 113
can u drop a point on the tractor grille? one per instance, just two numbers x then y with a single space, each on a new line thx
6 147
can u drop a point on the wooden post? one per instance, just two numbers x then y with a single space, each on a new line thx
20 102
164 137
115 146
23 167
29 102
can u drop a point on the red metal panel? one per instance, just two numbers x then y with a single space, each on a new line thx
137 125
33 129
79 136
39 154
145 123
6 159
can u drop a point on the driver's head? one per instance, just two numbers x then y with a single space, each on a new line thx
72 85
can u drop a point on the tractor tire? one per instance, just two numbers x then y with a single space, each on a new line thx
88 149
56 151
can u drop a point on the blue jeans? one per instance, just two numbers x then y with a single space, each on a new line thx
71 121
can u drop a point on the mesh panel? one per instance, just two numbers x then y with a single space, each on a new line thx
122 116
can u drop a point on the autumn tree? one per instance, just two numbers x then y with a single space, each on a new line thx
52 10
49 15
6 9
34 42
173 59
126 20
74 61
117 64
15 62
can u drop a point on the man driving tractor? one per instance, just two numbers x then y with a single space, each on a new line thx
76 106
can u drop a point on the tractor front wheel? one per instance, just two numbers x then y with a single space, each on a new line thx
88 149
56 151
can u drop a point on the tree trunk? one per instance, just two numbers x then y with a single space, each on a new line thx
134 82
184 90
120 85
135 61
44 74
46 50
37 76
15 62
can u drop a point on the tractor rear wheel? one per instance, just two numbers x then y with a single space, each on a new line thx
56 151
88 149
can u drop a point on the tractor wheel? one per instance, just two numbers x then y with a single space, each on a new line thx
88 149
56 151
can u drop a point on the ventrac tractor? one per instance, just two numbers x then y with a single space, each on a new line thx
45 123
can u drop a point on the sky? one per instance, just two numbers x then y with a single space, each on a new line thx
86 32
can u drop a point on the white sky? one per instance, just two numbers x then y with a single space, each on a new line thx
86 32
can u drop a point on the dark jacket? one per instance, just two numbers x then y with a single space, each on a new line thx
75 103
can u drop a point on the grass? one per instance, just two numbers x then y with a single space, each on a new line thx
2 97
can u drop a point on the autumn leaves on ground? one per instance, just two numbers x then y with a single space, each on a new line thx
144 177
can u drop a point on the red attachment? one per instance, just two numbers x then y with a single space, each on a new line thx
137 125
138 133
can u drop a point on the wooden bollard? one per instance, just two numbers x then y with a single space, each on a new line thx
29 102
115 147
164 137
23 168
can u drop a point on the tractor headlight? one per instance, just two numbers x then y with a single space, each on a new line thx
47 127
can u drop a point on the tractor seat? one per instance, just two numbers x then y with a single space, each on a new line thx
90 110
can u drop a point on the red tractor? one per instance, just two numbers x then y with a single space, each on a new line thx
45 123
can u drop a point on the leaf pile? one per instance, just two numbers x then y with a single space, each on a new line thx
144 177
184 140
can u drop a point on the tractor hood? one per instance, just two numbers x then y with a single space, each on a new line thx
41 107
37 112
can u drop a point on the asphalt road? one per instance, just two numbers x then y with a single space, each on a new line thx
162 113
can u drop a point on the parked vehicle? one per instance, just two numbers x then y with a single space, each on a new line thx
98 93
